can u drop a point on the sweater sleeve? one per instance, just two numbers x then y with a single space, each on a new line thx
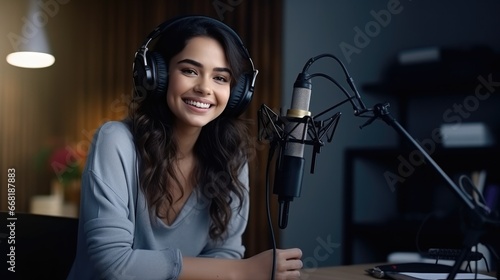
108 216
232 245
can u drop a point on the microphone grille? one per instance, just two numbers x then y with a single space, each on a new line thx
301 99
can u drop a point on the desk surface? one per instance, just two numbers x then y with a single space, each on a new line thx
351 272
347 272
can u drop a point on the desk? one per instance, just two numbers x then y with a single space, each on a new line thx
347 272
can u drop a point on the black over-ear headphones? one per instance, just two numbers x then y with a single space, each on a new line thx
151 77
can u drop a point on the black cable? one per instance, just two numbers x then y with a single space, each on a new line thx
333 81
486 264
269 220
480 201
359 108
314 59
417 236
350 81
475 268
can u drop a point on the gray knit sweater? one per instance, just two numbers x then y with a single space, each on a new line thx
117 239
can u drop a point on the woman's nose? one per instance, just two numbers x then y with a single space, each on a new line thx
203 86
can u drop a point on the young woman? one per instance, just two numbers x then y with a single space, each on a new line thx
165 192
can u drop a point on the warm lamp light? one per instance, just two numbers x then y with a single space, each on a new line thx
27 59
31 48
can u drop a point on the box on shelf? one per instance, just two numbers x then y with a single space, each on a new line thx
466 135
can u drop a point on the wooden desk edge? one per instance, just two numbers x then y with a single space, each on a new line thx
351 272
347 272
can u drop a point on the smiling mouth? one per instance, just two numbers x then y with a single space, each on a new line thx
197 104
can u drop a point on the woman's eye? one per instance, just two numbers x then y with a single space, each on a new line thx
221 79
188 71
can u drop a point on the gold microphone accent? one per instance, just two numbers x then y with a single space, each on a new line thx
297 113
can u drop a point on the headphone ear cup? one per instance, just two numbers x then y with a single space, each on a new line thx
160 74
142 76
150 79
241 95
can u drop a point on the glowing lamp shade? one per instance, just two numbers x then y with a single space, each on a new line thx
30 45
27 59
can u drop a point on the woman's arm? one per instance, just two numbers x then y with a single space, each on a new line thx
288 265
107 218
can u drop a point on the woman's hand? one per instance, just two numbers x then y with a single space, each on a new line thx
288 264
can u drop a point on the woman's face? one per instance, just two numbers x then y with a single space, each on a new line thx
199 82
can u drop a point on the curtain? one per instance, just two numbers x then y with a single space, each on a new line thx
94 43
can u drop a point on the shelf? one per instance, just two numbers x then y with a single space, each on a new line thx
430 89
455 71
466 158
403 235
379 220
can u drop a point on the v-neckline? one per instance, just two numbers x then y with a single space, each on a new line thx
183 211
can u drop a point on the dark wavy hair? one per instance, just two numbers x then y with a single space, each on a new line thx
221 149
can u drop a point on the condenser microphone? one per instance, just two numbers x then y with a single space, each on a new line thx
290 163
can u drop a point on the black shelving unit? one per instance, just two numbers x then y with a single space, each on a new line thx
421 212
